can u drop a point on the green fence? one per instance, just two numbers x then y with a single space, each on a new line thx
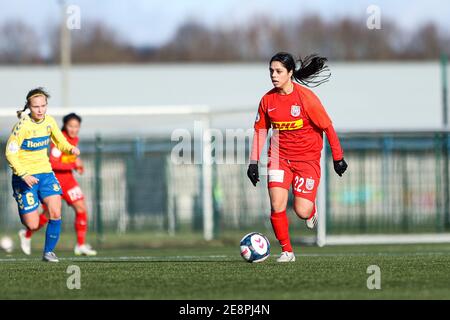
396 183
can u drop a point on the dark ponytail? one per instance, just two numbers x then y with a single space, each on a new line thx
32 93
311 72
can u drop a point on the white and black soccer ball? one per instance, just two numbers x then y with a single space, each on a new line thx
255 247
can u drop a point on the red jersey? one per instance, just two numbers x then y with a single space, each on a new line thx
63 163
298 121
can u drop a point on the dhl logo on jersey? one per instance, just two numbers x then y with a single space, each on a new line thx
287 125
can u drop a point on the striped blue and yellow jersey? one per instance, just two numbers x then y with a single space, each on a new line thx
27 146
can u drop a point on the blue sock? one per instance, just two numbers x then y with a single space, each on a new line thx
52 235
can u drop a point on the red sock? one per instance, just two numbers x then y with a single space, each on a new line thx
280 226
313 211
42 222
81 227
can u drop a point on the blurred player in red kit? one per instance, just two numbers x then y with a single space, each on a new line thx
298 121
63 166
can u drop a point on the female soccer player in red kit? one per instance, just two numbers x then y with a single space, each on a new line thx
298 120
63 166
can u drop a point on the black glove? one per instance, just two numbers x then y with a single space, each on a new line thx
340 166
252 173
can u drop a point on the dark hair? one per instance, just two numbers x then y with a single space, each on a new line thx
34 92
309 71
69 117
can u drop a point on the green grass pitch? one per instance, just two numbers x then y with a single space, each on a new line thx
216 271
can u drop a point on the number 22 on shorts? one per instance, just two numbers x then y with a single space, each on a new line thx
298 183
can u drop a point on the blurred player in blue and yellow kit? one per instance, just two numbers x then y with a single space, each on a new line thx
33 180
63 165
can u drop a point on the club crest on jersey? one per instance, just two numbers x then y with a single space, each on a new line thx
295 110
13 147
56 187
309 184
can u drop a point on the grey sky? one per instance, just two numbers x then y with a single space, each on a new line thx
152 22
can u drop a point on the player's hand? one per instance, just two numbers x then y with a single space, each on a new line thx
30 180
252 173
80 170
76 151
340 166
78 162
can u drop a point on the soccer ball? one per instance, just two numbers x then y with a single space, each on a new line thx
7 244
255 247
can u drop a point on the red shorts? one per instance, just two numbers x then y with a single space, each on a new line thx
70 188
304 176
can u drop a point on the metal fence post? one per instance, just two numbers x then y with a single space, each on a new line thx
444 59
386 191
405 192
362 192
217 202
438 198
171 214
207 182
98 188
446 182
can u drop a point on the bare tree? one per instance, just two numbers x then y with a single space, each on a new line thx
195 42
346 39
95 43
19 43
425 43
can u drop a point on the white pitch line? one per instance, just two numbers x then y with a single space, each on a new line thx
380 254
123 258
221 257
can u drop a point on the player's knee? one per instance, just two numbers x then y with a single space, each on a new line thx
55 214
32 225
302 212
79 206
278 206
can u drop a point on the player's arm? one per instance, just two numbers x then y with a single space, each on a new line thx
336 151
318 115
79 166
262 125
12 150
60 141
